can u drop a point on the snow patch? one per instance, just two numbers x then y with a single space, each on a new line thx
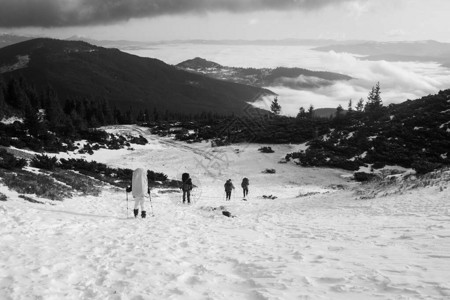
11 120
22 62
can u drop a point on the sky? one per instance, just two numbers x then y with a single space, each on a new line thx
157 20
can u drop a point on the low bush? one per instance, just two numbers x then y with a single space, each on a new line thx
3 197
10 162
363 176
139 140
269 171
266 150
44 162
423 167
81 183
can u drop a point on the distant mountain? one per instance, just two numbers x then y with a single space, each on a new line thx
296 78
10 39
326 112
423 51
81 70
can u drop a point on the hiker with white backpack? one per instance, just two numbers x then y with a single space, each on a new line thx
139 189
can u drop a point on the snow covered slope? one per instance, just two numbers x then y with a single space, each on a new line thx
314 241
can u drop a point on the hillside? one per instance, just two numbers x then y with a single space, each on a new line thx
295 78
413 134
80 70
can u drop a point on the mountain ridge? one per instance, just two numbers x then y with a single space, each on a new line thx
296 78
76 69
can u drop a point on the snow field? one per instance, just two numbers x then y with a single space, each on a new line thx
313 242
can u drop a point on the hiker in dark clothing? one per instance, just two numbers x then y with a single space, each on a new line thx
187 187
228 188
245 183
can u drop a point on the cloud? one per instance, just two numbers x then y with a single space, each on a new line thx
396 33
399 81
61 13
302 82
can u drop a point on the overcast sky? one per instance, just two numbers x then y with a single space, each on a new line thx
154 20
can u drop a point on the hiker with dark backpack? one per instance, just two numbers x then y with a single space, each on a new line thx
186 186
139 188
245 183
228 188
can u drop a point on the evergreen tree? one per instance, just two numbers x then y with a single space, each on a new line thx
155 115
275 107
339 111
360 105
3 105
54 114
301 113
15 94
146 115
350 106
32 122
107 113
374 102
311 111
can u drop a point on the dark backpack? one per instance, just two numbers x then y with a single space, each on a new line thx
184 177
245 182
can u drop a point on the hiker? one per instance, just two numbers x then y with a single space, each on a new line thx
139 189
228 188
245 183
186 186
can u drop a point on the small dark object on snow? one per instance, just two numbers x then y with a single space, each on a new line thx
143 214
3 197
269 171
227 214
266 150
269 197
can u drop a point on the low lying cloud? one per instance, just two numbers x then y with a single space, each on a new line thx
59 13
399 81
302 82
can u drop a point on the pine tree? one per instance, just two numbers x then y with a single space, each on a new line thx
32 122
301 113
339 111
275 107
53 111
3 105
360 105
311 111
350 106
374 102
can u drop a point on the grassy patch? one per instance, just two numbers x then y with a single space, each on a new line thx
43 186
79 182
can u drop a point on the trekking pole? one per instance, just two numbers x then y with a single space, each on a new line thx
127 203
151 205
